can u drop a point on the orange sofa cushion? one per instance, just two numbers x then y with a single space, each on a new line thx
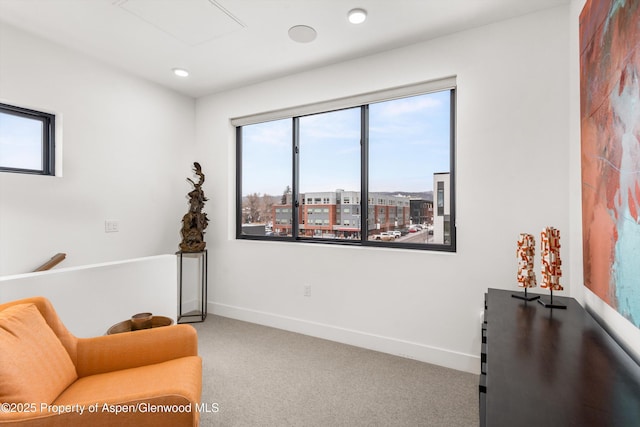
178 377
159 395
34 366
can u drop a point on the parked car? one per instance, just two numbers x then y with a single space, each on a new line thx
396 233
385 236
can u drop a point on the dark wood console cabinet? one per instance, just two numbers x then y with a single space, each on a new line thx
552 367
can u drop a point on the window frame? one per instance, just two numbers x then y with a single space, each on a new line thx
47 138
297 203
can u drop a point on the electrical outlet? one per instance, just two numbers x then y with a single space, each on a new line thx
111 226
307 290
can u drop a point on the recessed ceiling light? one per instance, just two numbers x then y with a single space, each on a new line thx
180 72
357 16
302 34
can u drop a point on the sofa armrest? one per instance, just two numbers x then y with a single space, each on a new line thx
133 349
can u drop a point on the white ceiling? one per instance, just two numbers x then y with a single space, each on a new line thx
231 43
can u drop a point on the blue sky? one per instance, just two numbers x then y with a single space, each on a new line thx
408 142
330 151
20 142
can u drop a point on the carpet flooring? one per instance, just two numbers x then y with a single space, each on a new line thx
255 375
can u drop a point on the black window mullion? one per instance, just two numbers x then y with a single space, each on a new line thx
48 151
238 181
45 146
452 169
364 173
295 197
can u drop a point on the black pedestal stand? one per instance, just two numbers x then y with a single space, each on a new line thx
550 303
200 313
524 296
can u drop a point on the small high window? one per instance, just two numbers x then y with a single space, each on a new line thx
27 142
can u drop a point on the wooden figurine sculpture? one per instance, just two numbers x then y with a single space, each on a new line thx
195 221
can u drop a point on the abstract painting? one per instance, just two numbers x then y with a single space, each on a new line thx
610 151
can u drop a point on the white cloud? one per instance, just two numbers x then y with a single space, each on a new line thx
277 133
409 105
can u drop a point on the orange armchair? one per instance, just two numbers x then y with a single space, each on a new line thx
49 377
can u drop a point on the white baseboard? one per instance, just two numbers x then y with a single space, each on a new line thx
411 350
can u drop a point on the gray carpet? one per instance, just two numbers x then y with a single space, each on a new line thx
261 376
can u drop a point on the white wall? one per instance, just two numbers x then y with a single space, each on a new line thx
92 298
127 147
512 157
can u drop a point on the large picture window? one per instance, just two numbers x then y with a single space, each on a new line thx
379 173
26 140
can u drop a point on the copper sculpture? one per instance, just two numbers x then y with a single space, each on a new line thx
525 253
195 221
550 253
551 265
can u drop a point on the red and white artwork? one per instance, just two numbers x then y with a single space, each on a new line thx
610 135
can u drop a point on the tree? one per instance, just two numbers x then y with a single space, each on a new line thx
267 207
285 196
253 211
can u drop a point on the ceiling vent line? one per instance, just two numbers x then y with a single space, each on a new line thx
192 22
226 12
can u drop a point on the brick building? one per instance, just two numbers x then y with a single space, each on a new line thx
336 214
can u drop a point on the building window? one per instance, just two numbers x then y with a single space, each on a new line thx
27 141
386 154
